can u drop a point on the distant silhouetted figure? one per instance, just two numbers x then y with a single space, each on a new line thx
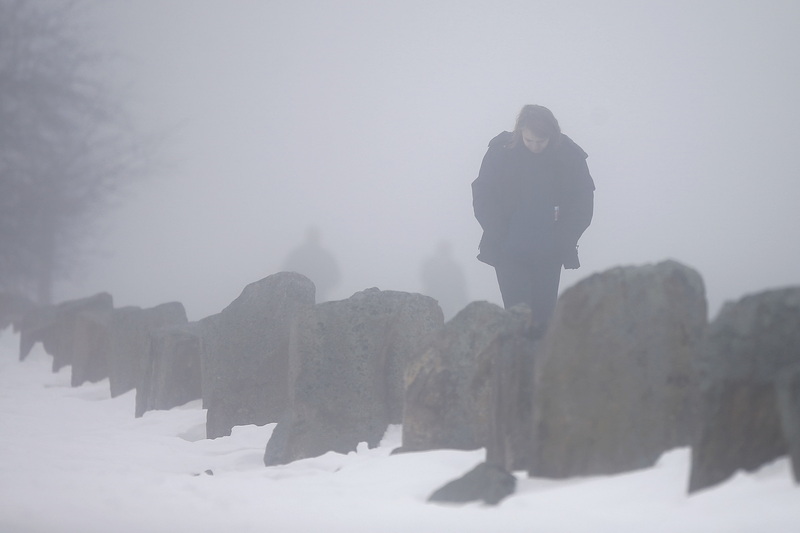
443 279
316 263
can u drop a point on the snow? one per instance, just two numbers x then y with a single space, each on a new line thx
77 460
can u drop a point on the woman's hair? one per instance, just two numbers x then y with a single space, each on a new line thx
540 121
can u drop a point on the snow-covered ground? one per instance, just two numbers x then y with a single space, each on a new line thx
75 460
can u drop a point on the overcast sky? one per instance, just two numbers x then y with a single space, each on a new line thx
369 119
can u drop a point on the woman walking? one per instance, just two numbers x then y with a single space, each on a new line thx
534 198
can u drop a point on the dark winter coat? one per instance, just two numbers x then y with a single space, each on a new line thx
532 205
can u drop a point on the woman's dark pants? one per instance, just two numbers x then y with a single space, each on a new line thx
534 284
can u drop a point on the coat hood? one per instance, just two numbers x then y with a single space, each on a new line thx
502 139
566 148
569 148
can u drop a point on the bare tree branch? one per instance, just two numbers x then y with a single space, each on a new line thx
66 146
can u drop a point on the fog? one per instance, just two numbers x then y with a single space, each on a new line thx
370 120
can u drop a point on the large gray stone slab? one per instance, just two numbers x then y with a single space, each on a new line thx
55 326
91 343
172 369
614 384
448 385
131 329
348 379
246 360
748 382
788 399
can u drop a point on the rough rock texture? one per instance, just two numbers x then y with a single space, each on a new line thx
749 387
55 327
171 374
348 384
508 363
614 383
485 482
246 361
130 333
447 404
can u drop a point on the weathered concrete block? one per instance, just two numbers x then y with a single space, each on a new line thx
172 370
447 404
509 362
55 327
349 375
485 482
246 361
91 342
748 387
614 385
130 331
788 391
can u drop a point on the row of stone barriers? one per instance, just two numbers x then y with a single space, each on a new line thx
628 369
